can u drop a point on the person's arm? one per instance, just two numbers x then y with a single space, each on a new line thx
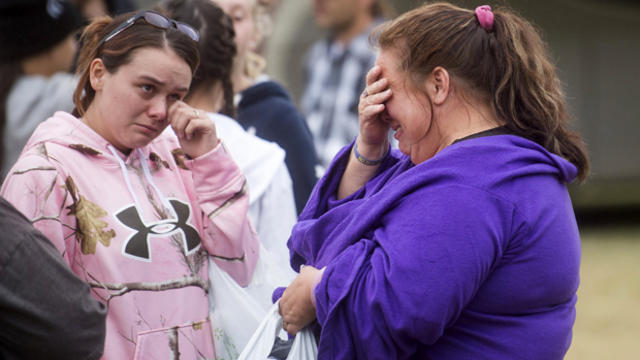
42 193
46 312
283 124
412 275
222 193
373 140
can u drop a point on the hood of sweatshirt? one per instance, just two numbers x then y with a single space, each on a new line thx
259 92
502 158
67 130
258 159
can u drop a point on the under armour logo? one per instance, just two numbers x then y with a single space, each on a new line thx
138 244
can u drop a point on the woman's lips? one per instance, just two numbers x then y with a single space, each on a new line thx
147 128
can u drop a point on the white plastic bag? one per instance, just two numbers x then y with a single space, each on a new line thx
236 312
304 345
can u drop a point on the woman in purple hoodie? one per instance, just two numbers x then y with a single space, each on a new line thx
463 244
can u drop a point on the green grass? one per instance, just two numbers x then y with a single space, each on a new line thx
608 309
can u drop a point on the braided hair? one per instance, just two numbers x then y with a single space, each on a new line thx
217 45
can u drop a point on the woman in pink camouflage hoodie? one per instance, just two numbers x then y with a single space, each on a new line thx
135 210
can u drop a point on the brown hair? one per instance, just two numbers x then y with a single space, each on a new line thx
509 67
119 49
217 44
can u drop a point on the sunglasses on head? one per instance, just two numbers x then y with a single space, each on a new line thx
154 19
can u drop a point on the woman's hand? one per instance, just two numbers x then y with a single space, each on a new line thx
296 307
195 130
374 130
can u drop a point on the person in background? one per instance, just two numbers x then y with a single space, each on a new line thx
264 106
92 9
46 312
335 69
271 202
135 210
38 45
236 313
462 244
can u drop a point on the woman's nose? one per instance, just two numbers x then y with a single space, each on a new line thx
158 108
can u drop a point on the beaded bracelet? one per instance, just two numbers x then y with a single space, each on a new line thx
366 161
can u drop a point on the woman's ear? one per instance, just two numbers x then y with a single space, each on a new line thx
438 85
97 72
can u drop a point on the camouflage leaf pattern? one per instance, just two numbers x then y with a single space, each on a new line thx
85 149
90 228
158 161
42 150
178 156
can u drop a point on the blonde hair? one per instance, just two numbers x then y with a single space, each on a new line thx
255 63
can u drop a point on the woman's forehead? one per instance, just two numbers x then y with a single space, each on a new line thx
160 63
389 61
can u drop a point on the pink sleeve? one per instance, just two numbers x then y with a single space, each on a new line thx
223 195
35 187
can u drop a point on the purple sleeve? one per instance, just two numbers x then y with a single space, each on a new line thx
277 294
413 275
323 196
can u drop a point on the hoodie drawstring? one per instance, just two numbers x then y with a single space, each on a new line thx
125 174
147 173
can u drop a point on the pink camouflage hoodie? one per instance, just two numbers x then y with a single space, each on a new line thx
139 229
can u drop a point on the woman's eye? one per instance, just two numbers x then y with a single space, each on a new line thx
238 16
147 88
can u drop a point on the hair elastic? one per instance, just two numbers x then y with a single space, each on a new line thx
485 17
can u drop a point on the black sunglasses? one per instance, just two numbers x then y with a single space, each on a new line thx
157 20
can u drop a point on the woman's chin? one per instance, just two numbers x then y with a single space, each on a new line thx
404 149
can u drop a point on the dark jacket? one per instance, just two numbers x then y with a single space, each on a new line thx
46 312
268 109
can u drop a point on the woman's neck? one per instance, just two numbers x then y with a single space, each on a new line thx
468 118
208 99
94 119
456 118
240 79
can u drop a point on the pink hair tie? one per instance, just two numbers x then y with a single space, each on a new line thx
485 17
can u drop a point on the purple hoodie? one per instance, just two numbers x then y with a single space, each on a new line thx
472 254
